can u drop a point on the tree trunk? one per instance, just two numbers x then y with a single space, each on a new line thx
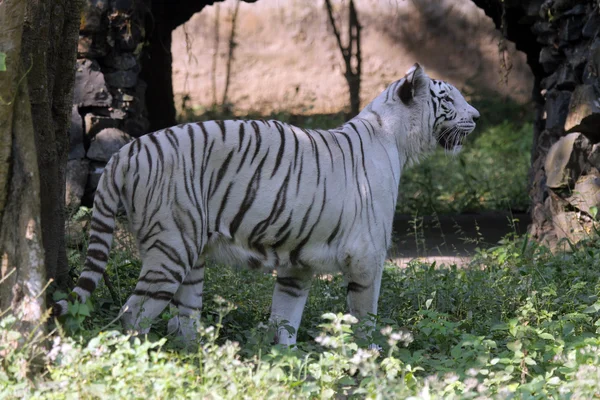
22 272
351 54
562 42
39 38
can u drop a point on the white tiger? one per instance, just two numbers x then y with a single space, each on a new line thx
265 193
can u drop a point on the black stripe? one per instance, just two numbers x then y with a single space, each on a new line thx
379 121
289 292
90 266
241 133
289 282
95 239
328 148
249 198
281 148
97 254
258 139
356 287
222 207
193 282
336 229
160 295
222 172
100 226
161 155
221 125
86 284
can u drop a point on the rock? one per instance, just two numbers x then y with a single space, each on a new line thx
137 127
592 68
592 25
116 113
107 142
586 194
570 29
579 9
567 225
90 87
584 112
565 77
92 46
121 61
77 175
577 56
76 148
566 160
95 123
549 58
550 81
122 79
594 157
94 11
545 33
557 108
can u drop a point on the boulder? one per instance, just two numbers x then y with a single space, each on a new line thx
90 87
76 148
77 175
95 123
557 108
566 160
586 194
122 79
594 157
568 225
107 142
94 11
550 58
584 112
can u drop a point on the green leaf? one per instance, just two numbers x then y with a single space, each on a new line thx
546 335
2 61
593 308
593 211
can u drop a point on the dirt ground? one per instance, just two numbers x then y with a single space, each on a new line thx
286 57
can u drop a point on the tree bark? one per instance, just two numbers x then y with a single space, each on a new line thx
50 34
39 38
22 271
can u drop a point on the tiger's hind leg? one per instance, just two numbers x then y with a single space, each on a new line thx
188 301
163 271
289 297
363 279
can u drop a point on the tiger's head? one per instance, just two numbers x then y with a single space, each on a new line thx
423 113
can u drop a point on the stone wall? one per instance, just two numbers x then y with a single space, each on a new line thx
108 105
565 188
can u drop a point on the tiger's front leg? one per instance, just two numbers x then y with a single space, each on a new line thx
289 297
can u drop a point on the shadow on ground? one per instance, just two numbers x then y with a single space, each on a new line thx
449 239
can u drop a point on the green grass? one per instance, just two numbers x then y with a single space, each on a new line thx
518 322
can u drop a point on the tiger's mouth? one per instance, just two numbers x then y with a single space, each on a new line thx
452 138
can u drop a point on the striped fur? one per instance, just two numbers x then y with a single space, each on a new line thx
268 194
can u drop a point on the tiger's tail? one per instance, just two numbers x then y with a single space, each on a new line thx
106 203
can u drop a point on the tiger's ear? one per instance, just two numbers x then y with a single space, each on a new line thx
413 81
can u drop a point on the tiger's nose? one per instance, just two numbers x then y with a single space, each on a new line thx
475 115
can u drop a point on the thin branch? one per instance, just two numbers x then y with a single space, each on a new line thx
232 45
213 67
